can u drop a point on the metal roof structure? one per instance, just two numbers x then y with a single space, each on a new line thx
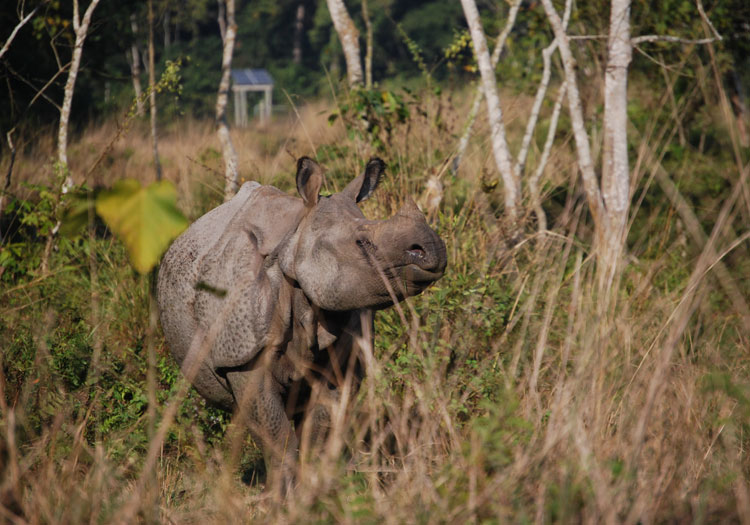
244 80
251 77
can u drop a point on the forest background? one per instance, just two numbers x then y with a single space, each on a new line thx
518 388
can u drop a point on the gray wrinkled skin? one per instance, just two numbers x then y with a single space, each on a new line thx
264 300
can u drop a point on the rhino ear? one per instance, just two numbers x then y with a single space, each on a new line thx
362 187
309 180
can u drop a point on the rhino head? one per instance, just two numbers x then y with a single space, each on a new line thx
344 261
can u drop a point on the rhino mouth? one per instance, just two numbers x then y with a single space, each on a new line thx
420 277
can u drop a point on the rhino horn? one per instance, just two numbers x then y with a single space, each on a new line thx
411 210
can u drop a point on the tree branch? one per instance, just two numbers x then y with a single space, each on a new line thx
39 92
668 38
534 180
540 94
15 31
8 174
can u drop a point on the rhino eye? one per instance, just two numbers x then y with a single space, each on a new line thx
366 245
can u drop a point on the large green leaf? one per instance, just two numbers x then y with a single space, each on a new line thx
146 219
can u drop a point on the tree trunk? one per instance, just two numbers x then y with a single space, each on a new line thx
494 59
231 176
222 21
81 28
615 170
511 182
8 176
152 89
583 147
135 68
299 26
740 107
368 44
609 202
349 37
165 25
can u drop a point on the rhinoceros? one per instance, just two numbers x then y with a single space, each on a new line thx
265 300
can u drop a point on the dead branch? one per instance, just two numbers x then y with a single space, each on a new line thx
668 38
540 94
534 180
16 29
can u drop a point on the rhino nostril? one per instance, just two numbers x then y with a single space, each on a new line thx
416 250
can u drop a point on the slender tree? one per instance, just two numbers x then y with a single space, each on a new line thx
152 89
134 58
231 175
299 26
499 45
608 201
349 38
368 44
503 159
615 168
81 29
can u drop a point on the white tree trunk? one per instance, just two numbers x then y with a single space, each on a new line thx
583 147
494 59
615 169
81 29
231 176
610 201
299 27
135 69
511 182
368 44
152 89
349 37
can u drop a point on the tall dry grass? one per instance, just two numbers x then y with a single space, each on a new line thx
503 394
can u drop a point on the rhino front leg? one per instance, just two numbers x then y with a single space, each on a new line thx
259 406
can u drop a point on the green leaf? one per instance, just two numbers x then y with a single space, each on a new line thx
77 214
146 219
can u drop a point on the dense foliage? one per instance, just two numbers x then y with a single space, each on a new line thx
267 36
